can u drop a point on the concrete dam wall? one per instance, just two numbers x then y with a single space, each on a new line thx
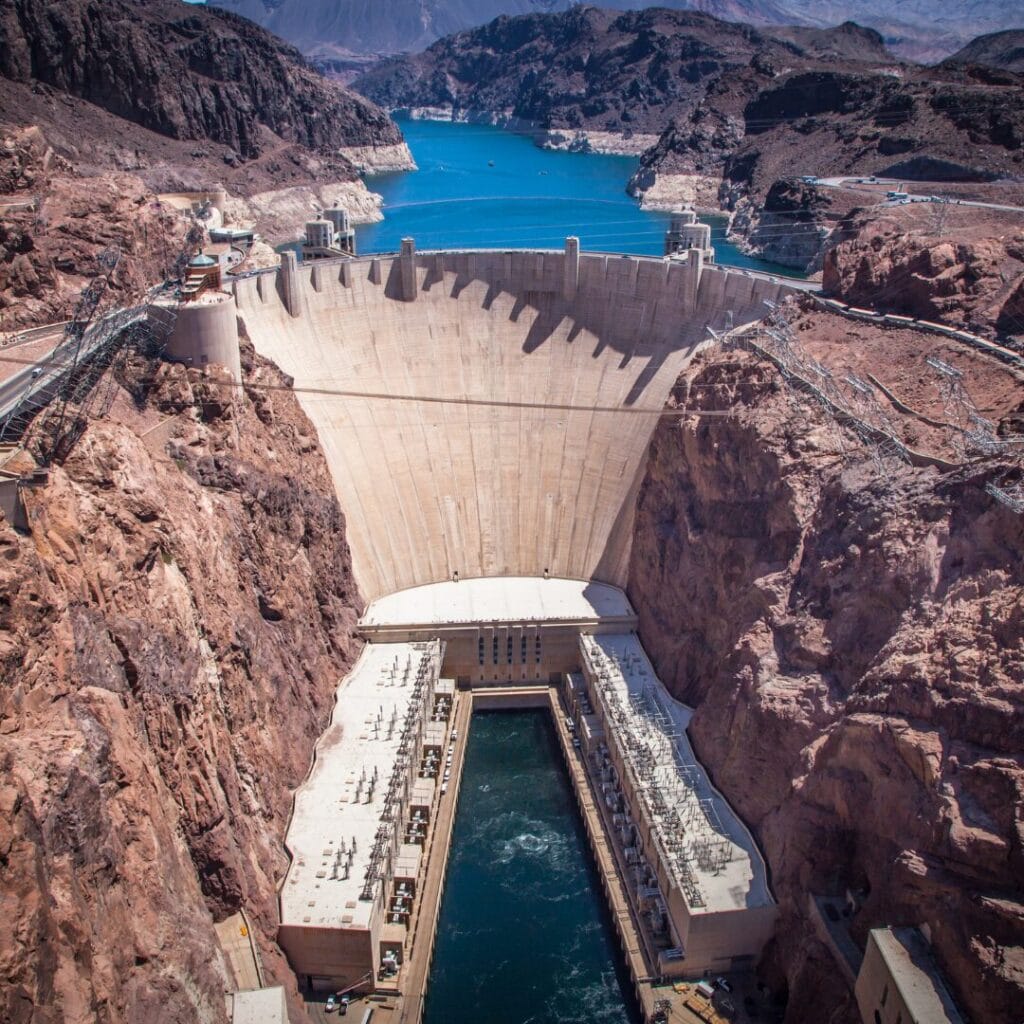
499 404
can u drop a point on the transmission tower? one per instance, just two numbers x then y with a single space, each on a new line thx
67 389
973 434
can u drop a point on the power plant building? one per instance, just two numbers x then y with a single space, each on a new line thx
695 874
360 819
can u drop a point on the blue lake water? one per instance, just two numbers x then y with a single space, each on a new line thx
524 936
483 187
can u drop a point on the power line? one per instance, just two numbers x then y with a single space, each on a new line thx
887 117
425 399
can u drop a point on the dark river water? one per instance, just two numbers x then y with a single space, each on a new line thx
524 936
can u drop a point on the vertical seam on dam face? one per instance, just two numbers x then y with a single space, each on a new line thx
516 491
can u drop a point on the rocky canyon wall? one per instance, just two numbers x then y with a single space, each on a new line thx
853 647
171 634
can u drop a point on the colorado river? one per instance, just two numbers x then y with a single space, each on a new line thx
524 936
486 188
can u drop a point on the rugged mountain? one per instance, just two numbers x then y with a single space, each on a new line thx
171 634
1003 50
593 69
916 29
955 265
852 640
739 110
181 84
927 125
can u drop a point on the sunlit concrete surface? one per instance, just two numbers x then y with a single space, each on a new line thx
514 397
503 599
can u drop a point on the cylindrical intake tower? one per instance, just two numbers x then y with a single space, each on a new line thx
206 331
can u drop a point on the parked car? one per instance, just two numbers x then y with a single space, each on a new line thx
723 984
331 1005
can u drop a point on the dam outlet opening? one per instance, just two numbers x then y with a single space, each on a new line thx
486 418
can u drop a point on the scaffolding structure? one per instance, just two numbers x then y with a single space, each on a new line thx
852 403
973 434
1010 495
849 401
665 776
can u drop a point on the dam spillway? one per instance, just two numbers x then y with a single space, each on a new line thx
488 413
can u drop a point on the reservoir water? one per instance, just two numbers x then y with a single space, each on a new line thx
484 187
524 936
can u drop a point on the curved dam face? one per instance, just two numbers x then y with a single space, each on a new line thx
499 404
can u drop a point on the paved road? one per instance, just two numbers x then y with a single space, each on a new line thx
858 185
52 357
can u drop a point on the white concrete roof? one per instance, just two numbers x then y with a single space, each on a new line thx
912 968
259 1006
326 813
499 599
653 715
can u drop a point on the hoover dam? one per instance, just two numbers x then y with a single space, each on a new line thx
485 416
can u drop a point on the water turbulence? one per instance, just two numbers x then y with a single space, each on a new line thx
524 934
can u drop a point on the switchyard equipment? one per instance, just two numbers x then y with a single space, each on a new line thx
698 878
351 837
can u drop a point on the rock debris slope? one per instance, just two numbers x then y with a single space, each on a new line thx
855 650
171 634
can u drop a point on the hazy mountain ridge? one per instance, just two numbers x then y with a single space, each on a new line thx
597 70
1003 50
914 29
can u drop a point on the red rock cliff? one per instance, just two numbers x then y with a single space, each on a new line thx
854 651
171 635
